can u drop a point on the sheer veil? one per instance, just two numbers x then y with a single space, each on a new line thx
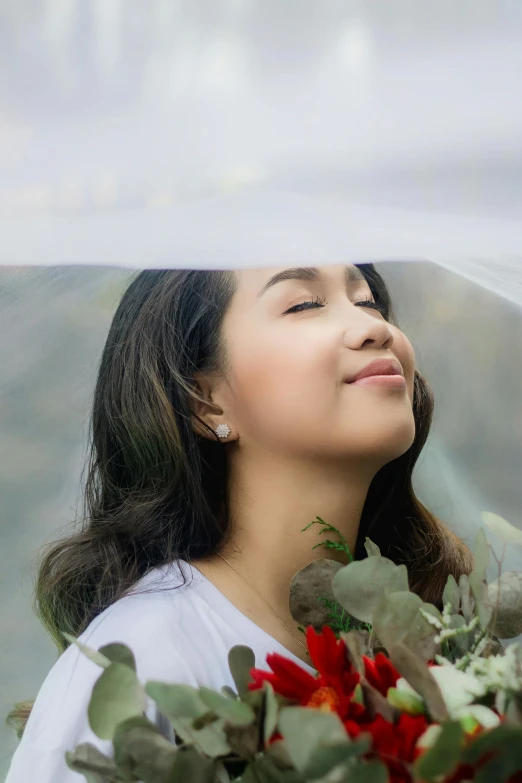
242 133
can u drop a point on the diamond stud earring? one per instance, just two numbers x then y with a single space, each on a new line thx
222 430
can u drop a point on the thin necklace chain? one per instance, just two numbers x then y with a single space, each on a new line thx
266 602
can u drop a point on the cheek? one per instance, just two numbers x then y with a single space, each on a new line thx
404 352
279 374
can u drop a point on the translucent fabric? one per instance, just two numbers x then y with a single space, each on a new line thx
208 134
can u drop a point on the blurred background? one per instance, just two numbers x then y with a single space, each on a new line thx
118 116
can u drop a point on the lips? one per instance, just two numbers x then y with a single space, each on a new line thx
379 367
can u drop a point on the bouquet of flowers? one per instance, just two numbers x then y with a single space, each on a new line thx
403 692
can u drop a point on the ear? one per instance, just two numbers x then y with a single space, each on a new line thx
207 411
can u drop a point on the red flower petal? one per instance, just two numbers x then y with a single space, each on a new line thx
380 673
328 653
288 678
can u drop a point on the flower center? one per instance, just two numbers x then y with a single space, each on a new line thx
324 699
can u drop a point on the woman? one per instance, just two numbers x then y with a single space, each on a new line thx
227 416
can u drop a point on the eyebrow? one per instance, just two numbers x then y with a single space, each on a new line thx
352 274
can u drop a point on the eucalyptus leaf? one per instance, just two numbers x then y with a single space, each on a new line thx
357 645
226 690
503 529
333 754
306 729
481 555
368 772
451 594
233 711
372 550
397 619
505 599
241 660
176 701
278 752
361 585
116 696
94 655
311 583
467 603
119 653
419 677
190 767
444 754
376 703
479 590
89 760
263 770
271 711
141 752
502 739
211 740
244 741
502 767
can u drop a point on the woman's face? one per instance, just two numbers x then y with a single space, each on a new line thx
292 346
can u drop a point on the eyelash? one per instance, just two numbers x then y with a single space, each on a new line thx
321 303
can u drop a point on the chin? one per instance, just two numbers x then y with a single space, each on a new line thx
389 443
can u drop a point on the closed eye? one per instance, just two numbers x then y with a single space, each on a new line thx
320 302
373 305
317 301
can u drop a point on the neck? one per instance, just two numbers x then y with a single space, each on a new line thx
270 504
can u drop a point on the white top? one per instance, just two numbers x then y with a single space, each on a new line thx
179 636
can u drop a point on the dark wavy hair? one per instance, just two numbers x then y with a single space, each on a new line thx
156 491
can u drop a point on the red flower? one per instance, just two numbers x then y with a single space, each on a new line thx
394 744
333 687
380 673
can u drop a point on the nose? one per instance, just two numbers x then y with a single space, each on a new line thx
367 328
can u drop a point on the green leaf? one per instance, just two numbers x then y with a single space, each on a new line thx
210 740
418 675
116 696
397 619
372 550
503 529
444 754
241 660
360 585
226 690
176 701
368 772
94 655
333 754
461 641
89 760
306 729
405 701
263 770
451 594
501 739
341 546
311 593
466 597
356 645
481 555
235 712
479 590
271 711
141 752
183 705
119 653
189 766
